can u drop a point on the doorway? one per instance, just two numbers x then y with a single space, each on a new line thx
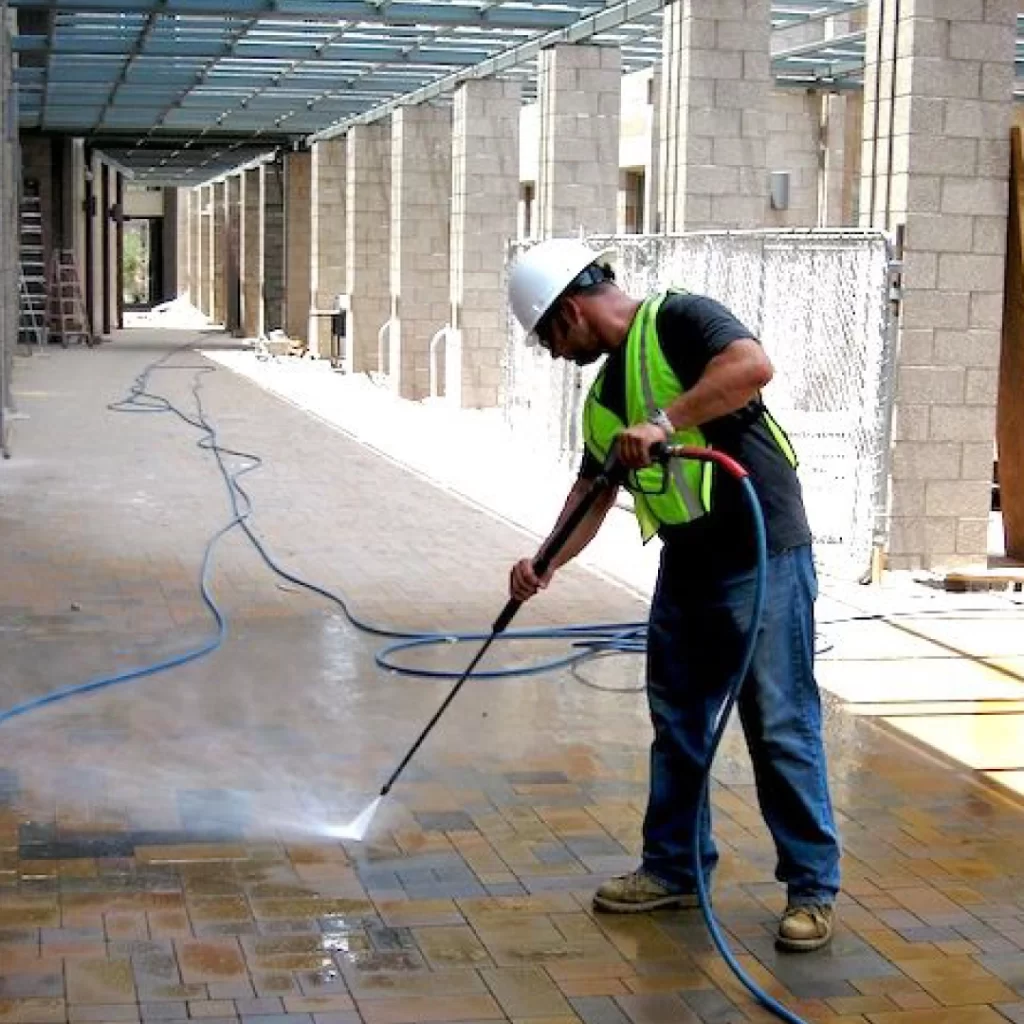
142 261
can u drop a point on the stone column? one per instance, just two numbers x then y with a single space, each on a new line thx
297 229
716 81
218 299
942 108
421 186
578 179
273 245
485 194
327 270
367 241
252 251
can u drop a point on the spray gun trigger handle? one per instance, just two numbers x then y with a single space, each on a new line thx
660 451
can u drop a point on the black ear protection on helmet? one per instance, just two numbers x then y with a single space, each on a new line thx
589 277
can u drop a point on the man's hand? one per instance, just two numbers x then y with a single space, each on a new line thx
635 444
524 582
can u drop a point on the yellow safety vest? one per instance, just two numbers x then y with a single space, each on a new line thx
684 494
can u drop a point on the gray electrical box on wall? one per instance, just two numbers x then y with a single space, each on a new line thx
779 190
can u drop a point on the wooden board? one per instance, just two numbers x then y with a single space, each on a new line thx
984 579
1010 410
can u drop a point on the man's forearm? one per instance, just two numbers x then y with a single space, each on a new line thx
588 527
731 380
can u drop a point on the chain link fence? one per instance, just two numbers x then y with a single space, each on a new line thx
819 303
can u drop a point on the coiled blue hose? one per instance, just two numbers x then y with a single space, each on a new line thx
602 638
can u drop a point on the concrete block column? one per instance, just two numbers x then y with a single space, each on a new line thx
485 194
92 275
252 251
182 200
115 204
367 237
232 255
195 225
219 227
206 247
297 229
421 183
327 264
273 245
939 99
716 81
578 177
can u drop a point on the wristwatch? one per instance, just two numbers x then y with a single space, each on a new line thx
660 419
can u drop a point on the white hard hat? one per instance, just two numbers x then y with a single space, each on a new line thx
542 273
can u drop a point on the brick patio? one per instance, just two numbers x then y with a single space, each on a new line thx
165 849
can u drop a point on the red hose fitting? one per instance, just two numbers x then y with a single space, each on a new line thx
686 451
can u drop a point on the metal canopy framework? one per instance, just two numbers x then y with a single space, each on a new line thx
182 89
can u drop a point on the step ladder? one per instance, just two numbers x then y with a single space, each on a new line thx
32 286
68 319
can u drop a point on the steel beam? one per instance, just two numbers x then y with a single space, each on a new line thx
396 12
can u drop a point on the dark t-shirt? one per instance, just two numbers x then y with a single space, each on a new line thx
692 329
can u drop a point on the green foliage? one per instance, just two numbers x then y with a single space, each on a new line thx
135 262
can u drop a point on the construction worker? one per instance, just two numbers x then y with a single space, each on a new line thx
681 368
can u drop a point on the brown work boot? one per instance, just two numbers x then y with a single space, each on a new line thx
805 926
637 892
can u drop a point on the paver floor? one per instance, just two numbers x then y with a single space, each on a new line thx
166 847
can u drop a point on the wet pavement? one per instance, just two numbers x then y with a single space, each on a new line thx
167 847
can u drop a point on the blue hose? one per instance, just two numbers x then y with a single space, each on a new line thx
735 685
592 640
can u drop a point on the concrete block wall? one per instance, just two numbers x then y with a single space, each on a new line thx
327 269
808 136
716 80
252 251
485 192
367 237
578 175
794 137
944 106
298 228
421 184
273 245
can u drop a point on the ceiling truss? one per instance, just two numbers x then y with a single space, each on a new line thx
182 87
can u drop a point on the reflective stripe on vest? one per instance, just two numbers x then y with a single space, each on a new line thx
652 384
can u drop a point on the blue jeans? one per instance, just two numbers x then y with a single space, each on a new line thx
694 645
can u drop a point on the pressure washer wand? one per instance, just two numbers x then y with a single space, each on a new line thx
611 474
